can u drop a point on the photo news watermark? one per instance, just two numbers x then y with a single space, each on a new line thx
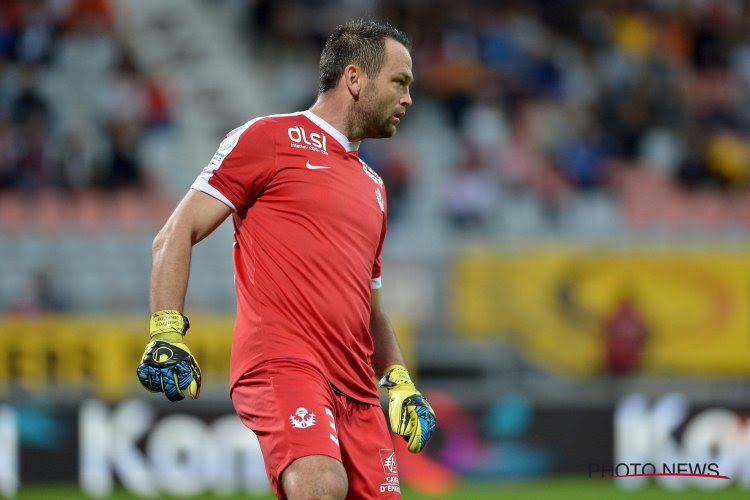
675 469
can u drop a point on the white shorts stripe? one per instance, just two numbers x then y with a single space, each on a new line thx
334 439
330 415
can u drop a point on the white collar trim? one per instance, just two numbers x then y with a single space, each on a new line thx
340 137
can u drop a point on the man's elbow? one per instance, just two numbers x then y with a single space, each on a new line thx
377 316
159 241
167 233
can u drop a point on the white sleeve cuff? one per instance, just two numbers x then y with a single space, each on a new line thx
376 283
203 186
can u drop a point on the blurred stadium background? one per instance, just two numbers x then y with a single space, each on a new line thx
567 260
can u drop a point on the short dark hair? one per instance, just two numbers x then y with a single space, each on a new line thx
360 42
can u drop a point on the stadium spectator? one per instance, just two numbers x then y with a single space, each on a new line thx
452 68
469 192
81 129
625 335
648 71
37 34
39 296
582 156
126 97
123 167
38 166
11 23
94 15
78 166
8 153
29 99
159 102
524 167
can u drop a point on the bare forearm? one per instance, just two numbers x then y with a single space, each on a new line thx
196 216
171 254
387 350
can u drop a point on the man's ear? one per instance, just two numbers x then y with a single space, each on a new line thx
355 80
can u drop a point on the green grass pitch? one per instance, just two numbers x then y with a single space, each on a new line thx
554 489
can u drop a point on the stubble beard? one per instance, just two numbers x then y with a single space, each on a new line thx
373 118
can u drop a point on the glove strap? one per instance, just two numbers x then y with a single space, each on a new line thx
395 375
169 324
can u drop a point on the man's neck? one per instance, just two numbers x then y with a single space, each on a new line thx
329 108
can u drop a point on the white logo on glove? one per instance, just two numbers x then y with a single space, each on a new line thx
302 419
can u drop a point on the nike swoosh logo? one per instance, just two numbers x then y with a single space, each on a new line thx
314 167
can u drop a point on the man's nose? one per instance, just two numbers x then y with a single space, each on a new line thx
405 99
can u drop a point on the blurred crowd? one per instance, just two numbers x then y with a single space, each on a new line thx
642 100
75 107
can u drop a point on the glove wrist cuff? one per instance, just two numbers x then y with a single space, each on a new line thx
171 337
395 375
165 323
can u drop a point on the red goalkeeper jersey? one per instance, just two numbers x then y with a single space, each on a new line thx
309 223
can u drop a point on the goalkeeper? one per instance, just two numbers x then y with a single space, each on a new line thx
310 339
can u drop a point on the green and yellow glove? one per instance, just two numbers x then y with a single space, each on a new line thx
409 412
168 365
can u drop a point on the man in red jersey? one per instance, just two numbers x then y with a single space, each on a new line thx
310 336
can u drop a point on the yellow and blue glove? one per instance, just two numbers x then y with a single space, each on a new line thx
168 366
409 412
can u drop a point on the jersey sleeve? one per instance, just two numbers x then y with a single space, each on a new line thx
241 167
377 281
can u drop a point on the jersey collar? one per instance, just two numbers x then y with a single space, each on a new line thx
341 138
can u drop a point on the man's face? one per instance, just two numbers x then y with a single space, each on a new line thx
386 97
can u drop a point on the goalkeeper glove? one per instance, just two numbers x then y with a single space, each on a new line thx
409 412
168 365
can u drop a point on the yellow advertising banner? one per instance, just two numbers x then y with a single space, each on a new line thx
98 354
555 303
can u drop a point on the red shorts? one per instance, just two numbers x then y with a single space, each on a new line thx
295 412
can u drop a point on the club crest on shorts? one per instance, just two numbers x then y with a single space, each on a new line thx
388 459
302 419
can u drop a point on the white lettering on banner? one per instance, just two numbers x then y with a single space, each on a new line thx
235 442
107 444
8 452
176 452
646 434
183 455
